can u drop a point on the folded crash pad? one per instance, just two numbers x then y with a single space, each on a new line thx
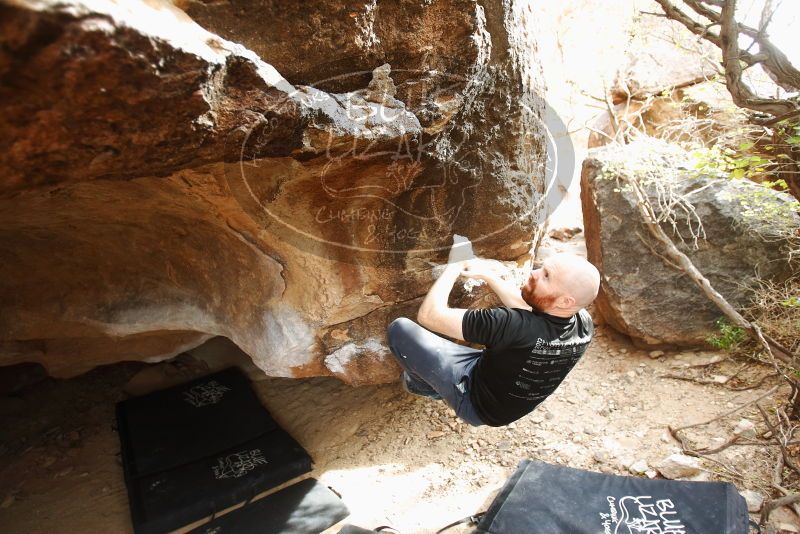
192 450
548 499
307 507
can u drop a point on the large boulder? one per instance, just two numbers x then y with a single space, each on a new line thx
162 184
740 241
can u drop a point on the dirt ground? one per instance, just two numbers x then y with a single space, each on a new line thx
395 459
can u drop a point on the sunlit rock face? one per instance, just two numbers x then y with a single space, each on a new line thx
162 184
642 295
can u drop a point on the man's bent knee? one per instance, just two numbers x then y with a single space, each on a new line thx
399 328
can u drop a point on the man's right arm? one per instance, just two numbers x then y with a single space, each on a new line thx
508 292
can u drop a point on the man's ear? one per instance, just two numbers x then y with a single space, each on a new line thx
565 301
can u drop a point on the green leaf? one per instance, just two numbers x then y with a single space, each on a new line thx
794 140
746 146
729 335
791 302
780 183
738 173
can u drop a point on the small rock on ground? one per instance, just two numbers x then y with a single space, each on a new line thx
678 466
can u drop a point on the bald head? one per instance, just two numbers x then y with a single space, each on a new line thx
564 284
576 278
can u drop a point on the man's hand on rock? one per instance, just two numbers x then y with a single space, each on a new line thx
481 269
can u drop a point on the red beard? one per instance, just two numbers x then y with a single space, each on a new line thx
538 303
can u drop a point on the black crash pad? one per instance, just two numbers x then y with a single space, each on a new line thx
307 507
548 499
191 421
195 449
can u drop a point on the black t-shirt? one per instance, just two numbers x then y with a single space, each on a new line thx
527 356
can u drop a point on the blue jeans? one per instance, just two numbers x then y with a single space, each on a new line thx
437 364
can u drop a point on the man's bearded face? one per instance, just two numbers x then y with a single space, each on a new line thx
535 294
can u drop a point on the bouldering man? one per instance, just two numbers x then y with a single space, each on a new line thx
531 342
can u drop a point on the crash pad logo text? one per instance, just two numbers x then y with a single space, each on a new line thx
238 464
205 394
641 515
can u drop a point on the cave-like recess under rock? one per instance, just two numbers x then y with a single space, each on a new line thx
170 173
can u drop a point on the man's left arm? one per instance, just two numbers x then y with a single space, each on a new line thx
434 313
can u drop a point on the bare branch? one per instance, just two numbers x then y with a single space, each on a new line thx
741 93
774 61
778 66
766 16
692 25
612 115
770 505
686 449
777 473
703 10
787 460
730 412
783 490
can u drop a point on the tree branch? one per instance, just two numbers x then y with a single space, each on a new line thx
774 61
703 10
741 93
770 505
778 66
692 25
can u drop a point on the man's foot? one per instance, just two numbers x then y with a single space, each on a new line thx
415 388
